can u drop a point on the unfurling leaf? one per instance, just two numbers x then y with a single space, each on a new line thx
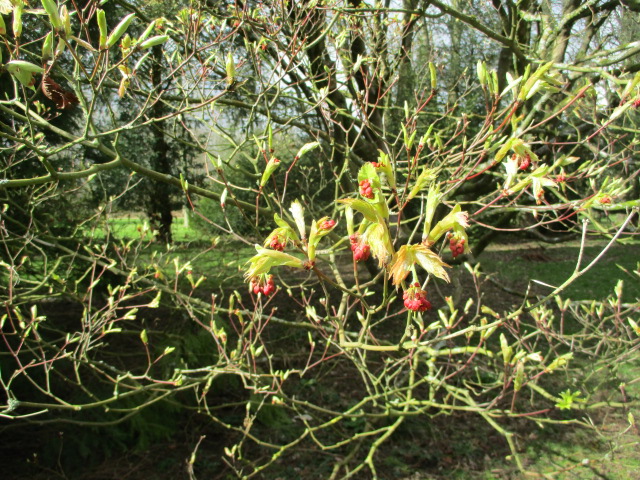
230 68
433 200
379 241
306 148
155 303
122 89
427 176
431 262
102 26
266 259
23 71
66 21
297 210
47 48
455 219
383 165
15 65
223 198
518 380
153 41
280 222
481 70
559 362
168 350
568 398
120 30
366 209
51 8
271 167
319 229
433 76
634 326
409 255
507 351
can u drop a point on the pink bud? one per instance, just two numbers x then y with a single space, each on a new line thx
365 189
327 224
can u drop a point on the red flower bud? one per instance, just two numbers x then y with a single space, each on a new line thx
269 287
415 299
277 244
260 284
327 224
456 245
365 189
361 251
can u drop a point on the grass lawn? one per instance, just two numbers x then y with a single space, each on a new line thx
544 267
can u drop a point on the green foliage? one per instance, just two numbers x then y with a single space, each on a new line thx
568 398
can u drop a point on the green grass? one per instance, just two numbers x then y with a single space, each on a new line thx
132 226
553 265
220 259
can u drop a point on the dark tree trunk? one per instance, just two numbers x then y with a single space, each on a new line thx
159 201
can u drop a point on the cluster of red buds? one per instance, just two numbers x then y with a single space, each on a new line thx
264 283
327 224
360 249
277 243
456 244
523 161
416 299
365 189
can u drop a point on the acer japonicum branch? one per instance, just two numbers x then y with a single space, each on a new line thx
343 138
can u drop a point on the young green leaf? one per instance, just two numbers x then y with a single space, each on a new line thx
17 19
433 74
507 351
52 11
102 26
153 41
306 148
297 210
271 167
230 67
47 48
15 65
408 256
120 30
365 208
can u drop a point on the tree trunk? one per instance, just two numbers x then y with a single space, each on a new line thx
159 202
